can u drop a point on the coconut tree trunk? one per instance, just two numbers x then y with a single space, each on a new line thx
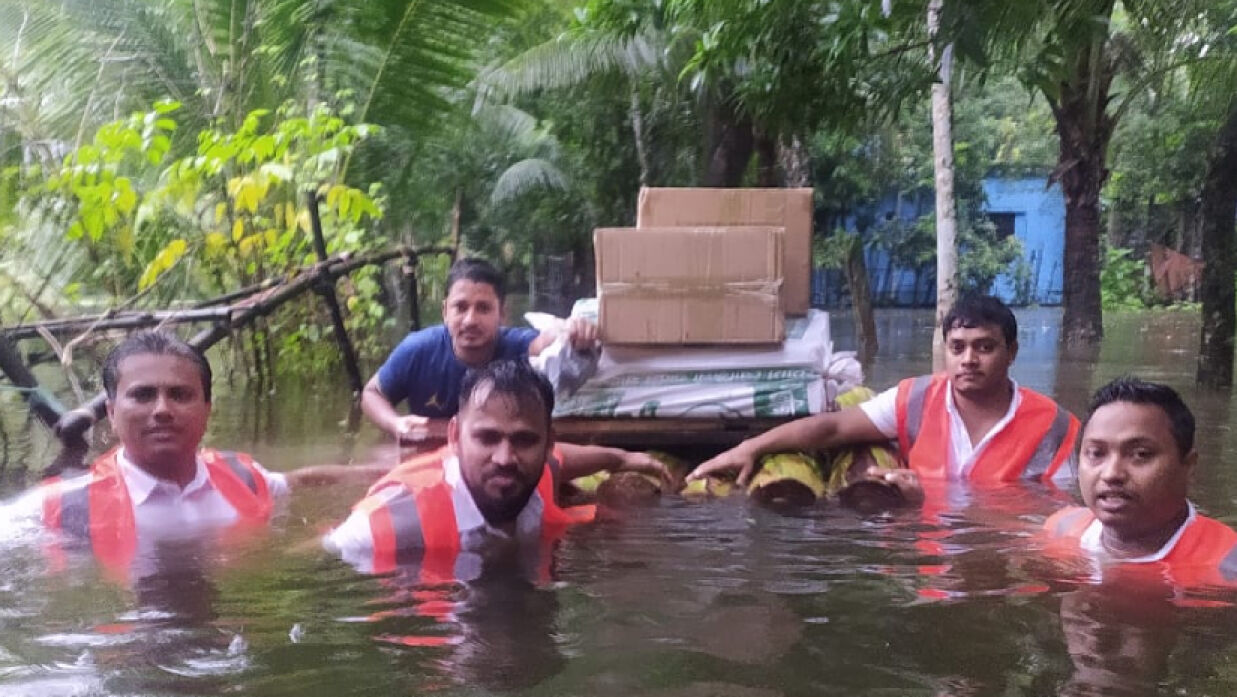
1219 209
637 131
861 299
731 146
767 174
795 163
943 167
1084 126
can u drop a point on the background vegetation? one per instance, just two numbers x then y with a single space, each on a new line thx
157 152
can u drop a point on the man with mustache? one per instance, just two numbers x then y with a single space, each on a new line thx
971 422
426 368
1134 470
490 489
158 486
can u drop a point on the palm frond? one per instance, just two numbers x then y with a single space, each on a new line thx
571 59
525 176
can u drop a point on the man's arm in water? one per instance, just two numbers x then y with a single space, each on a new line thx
850 426
325 475
583 460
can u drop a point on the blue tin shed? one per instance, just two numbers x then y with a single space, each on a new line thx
1021 207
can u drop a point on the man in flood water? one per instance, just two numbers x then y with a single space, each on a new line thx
426 368
972 422
158 484
1134 470
490 490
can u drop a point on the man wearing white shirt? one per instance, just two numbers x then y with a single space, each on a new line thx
158 485
971 422
1135 464
489 491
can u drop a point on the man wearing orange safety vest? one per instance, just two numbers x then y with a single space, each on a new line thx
1133 470
489 491
157 486
972 422
426 368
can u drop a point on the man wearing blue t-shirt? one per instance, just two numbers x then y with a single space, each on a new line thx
427 367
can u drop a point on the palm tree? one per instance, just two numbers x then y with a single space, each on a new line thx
1214 84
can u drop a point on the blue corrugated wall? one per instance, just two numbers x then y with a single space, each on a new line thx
1038 221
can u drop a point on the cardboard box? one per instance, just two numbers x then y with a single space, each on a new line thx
787 208
689 285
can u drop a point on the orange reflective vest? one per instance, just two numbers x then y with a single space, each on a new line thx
1206 552
412 517
102 513
1033 445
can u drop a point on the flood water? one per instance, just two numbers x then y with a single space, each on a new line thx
682 599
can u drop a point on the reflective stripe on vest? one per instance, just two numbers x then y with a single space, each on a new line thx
1069 522
1228 565
1045 456
914 409
1034 444
412 515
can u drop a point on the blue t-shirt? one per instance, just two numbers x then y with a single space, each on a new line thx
424 371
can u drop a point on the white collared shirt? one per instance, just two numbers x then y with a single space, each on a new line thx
882 411
161 509
1092 544
353 540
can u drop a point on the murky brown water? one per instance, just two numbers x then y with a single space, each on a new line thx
720 598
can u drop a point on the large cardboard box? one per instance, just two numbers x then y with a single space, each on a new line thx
787 208
689 285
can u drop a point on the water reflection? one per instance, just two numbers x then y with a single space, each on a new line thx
495 632
1119 637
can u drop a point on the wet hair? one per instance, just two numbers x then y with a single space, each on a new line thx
157 343
971 311
513 377
1131 389
477 270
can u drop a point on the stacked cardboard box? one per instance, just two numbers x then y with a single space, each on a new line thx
690 285
786 208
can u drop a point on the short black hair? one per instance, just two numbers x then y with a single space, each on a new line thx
973 310
1131 389
513 377
158 343
477 270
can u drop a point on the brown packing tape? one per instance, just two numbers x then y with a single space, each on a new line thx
699 289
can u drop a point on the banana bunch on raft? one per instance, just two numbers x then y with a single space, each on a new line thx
782 480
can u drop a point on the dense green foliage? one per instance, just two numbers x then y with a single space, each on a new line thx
517 126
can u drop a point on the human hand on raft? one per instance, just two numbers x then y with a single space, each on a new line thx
647 464
581 334
417 429
737 458
904 480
